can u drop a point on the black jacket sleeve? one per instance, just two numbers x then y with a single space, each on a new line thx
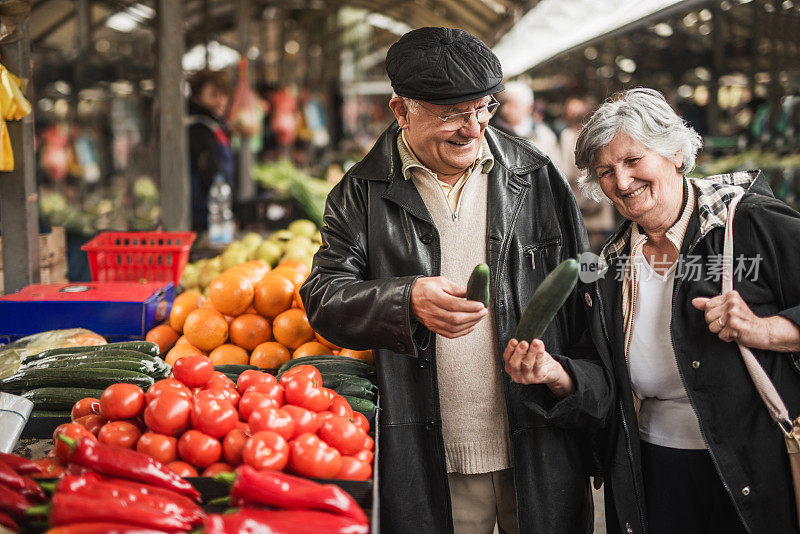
344 305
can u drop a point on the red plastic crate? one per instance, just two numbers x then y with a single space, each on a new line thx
134 256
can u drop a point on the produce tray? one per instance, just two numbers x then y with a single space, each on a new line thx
42 427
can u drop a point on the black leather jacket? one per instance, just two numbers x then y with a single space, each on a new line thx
379 238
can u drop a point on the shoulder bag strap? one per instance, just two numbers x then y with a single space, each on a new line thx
772 400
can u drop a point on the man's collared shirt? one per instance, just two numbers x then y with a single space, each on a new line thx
451 192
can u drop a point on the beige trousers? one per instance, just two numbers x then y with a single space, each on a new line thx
482 501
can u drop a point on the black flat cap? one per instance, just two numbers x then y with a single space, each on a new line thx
443 66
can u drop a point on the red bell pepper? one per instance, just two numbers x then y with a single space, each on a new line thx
12 502
21 465
67 509
279 490
10 478
132 493
128 464
251 521
102 528
7 521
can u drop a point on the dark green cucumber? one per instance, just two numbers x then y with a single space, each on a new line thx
349 389
145 347
59 398
361 405
66 414
69 377
141 366
346 367
478 284
334 380
234 369
547 300
345 361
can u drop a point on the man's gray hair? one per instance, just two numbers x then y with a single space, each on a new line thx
643 115
410 103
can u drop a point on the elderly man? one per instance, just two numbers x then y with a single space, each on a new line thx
462 444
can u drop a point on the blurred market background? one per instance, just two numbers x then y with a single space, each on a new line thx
105 147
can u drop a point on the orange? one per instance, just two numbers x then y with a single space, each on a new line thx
254 270
251 309
297 300
181 351
184 304
269 355
164 336
311 348
296 277
291 328
250 330
206 329
365 355
231 293
273 295
297 265
326 342
228 354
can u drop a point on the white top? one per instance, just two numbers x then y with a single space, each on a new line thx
666 417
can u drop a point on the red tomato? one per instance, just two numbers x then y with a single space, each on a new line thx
72 431
343 434
200 450
341 407
212 416
220 380
222 393
168 413
92 422
312 457
274 420
138 422
233 444
306 393
158 446
121 401
193 371
354 469
307 371
254 400
324 416
243 426
361 421
51 468
119 434
272 390
369 443
251 377
168 384
305 421
266 450
182 469
86 406
217 468
365 456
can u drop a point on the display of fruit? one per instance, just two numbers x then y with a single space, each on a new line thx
202 418
299 241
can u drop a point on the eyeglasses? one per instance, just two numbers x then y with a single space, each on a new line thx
458 120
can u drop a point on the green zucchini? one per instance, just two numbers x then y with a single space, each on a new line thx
89 356
59 398
145 347
68 377
478 284
343 367
361 405
141 366
334 380
346 362
52 413
350 389
547 300
235 369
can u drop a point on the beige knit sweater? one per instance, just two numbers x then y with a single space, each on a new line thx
471 397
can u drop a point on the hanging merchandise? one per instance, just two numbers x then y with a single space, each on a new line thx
54 154
86 158
316 122
13 106
284 116
247 113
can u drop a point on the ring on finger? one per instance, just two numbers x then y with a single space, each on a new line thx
720 323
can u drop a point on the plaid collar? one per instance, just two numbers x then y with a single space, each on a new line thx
714 193
410 162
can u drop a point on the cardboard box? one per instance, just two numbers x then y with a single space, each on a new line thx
113 309
52 247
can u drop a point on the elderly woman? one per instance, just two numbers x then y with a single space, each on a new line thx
690 446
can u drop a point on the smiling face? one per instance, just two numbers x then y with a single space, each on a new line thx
444 152
646 187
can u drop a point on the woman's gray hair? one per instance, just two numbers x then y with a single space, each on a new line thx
644 115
